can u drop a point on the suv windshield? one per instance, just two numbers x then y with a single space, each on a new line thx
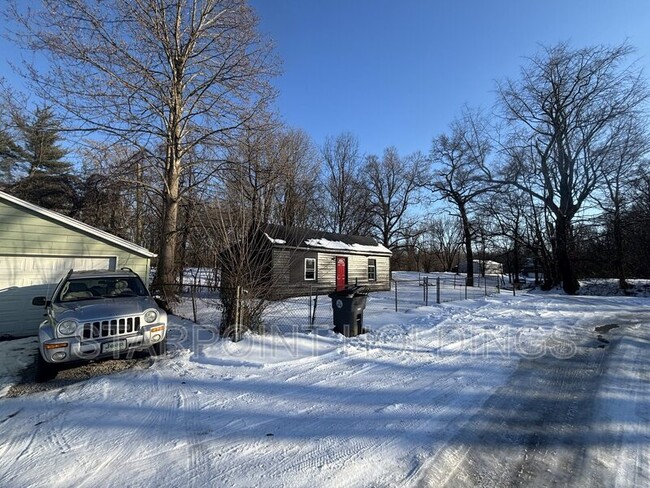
91 288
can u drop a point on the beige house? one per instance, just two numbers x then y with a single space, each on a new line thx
38 247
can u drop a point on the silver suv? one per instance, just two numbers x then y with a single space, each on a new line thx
94 314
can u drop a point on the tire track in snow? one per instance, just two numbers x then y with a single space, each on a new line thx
297 462
30 448
157 418
508 443
199 460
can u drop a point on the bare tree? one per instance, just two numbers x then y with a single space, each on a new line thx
618 174
254 174
441 242
298 192
565 112
460 172
393 183
520 223
170 77
345 195
120 195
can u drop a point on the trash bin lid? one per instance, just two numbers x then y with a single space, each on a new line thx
345 292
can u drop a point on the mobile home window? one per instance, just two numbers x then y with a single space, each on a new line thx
372 270
310 269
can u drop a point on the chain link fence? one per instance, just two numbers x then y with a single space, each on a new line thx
436 288
203 304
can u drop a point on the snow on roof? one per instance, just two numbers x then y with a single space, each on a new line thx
275 241
298 237
342 246
80 226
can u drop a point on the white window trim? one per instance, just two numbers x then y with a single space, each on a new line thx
305 269
374 279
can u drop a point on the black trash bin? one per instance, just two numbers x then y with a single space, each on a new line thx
348 306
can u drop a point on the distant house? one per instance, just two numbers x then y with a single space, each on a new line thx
482 267
296 260
38 246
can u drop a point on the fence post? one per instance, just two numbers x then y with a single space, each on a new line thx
193 293
426 291
237 311
485 282
395 295
499 285
309 321
438 289
465 291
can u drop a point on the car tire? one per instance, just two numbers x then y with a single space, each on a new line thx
159 348
45 371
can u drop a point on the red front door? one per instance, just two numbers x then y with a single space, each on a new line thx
341 272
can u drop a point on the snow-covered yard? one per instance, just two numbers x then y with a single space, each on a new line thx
492 392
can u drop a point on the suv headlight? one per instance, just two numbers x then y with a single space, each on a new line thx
150 316
67 327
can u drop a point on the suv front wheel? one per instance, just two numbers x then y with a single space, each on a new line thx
44 370
159 348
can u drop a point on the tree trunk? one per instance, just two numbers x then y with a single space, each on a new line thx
467 233
619 253
165 275
139 225
565 267
515 258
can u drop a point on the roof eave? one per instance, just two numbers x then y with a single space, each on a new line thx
378 252
80 226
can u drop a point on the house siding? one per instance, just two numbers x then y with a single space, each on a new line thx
357 270
281 262
25 234
289 272
326 264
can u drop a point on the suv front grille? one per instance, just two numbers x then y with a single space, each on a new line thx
110 328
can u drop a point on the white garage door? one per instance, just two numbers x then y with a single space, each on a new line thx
25 277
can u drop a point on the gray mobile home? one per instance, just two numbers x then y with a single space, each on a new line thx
299 260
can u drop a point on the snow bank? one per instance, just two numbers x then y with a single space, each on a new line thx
459 392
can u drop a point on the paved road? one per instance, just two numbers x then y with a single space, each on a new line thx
560 421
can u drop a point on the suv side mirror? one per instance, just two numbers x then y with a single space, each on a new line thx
39 301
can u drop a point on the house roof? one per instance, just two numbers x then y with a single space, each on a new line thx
77 225
327 241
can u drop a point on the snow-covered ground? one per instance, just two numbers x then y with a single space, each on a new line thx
492 392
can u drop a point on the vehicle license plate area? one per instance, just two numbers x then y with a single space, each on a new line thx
114 346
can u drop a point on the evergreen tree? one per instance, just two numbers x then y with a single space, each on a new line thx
32 165
9 156
41 152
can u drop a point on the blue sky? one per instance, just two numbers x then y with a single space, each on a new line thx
396 72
